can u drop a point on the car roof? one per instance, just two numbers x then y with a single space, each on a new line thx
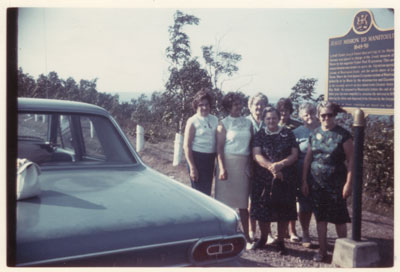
53 105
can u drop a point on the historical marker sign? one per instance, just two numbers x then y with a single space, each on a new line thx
361 67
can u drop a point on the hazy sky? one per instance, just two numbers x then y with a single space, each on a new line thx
125 48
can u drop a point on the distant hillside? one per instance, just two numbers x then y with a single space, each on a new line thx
127 96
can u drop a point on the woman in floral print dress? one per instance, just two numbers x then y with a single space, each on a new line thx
330 155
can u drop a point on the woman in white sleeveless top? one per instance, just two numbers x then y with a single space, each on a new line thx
233 153
199 143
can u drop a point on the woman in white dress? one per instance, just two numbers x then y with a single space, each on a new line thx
233 154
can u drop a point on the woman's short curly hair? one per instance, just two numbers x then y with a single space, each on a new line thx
307 107
271 109
200 95
285 104
336 108
229 99
258 96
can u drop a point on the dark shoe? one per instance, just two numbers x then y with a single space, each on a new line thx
281 248
306 242
259 244
319 257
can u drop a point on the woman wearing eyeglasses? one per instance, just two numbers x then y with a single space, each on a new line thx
199 143
330 155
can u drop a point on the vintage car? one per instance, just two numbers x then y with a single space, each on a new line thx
100 205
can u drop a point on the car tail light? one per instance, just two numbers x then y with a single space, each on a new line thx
214 249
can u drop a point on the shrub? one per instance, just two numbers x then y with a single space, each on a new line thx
378 172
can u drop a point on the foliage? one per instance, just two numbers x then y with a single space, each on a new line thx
219 63
378 168
183 83
303 91
179 51
186 76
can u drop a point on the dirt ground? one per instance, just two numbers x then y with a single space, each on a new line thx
375 227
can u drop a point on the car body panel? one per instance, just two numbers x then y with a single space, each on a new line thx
113 214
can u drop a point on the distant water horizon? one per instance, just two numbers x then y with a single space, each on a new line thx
127 96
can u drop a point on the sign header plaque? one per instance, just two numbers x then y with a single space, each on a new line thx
361 67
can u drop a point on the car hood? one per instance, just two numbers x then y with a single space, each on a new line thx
86 211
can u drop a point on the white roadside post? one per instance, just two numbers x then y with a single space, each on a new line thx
139 138
177 149
91 129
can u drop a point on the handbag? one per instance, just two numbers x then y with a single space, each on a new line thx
28 174
279 193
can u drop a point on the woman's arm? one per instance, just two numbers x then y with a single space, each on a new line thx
348 150
221 137
190 131
251 159
264 162
289 160
306 166
259 158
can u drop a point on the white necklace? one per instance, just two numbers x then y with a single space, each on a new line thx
268 132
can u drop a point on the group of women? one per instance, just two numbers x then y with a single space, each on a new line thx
266 161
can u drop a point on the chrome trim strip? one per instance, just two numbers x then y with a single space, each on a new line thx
207 239
220 249
109 252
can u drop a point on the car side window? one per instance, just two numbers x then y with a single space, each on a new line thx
93 148
33 133
64 135
65 138
33 126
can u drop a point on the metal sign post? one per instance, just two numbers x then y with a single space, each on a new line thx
359 123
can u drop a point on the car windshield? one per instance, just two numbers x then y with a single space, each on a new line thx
54 138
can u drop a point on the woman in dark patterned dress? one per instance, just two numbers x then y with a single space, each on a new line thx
274 189
330 154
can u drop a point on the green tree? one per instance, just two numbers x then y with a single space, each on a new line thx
71 90
26 85
220 63
87 91
186 76
179 51
181 87
303 91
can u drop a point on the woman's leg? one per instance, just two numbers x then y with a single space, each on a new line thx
282 230
244 218
292 231
205 164
264 235
252 222
305 219
322 231
282 227
341 230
